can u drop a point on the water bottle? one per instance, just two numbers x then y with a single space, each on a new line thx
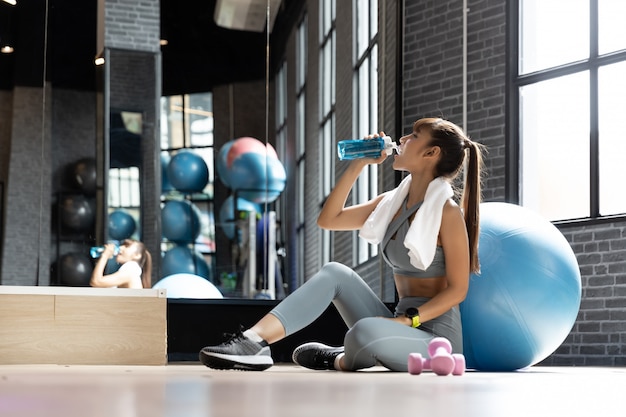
365 148
96 251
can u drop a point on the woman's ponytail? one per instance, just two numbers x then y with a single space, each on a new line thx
471 200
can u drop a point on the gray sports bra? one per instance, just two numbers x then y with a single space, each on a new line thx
397 255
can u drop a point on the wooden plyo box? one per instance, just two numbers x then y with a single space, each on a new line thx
82 326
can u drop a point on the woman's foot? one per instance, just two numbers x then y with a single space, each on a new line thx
239 353
316 356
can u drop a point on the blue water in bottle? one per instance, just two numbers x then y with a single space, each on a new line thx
365 148
96 251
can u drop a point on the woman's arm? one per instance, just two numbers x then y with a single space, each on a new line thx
335 215
117 279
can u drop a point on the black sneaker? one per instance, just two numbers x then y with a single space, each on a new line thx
316 356
239 353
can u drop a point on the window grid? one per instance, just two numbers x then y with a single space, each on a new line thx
603 58
282 115
327 112
300 117
366 106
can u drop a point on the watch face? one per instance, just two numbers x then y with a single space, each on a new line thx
411 312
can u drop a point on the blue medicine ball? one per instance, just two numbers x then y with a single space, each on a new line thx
121 225
166 185
257 177
183 260
524 302
180 221
188 172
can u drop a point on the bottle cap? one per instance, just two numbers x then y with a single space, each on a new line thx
390 145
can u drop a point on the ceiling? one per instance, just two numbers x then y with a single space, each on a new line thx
199 55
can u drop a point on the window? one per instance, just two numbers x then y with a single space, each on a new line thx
300 116
568 96
365 105
327 112
281 150
124 188
187 124
281 118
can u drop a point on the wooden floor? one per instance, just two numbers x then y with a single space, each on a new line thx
191 390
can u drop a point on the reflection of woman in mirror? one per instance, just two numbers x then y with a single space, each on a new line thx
135 270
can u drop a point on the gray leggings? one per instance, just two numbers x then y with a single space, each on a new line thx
371 338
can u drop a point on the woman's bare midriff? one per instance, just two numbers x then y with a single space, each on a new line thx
419 287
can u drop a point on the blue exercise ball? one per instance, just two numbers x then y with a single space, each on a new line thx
227 213
188 286
121 225
77 213
183 260
166 185
524 302
180 221
188 172
221 163
257 177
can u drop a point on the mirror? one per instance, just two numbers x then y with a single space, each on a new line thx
129 153
238 85
123 187
202 57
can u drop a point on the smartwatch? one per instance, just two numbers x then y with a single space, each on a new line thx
414 315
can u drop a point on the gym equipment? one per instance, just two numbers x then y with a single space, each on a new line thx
188 286
75 270
221 164
228 217
267 263
166 185
181 259
121 225
180 221
261 278
245 145
84 175
76 213
188 172
522 305
441 361
257 177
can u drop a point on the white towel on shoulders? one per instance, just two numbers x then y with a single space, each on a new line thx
421 239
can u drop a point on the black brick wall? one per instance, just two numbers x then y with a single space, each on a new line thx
26 248
131 24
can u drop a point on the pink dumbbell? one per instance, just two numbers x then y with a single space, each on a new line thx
442 361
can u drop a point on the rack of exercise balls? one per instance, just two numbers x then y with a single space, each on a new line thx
74 221
184 271
252 171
